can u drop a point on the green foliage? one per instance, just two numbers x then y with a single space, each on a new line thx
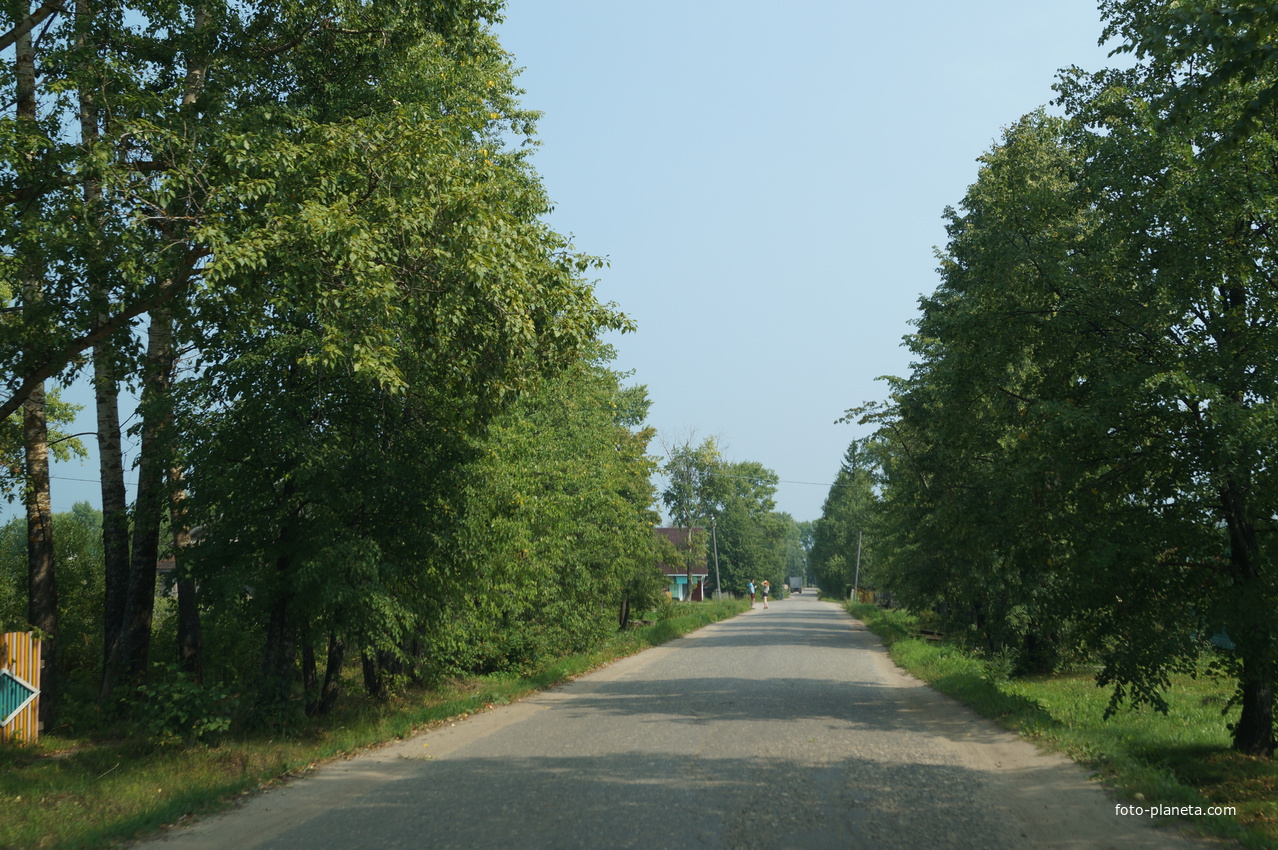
693 491
177 709
1076 462
555 524
686 617
964 488
78 563
752 537
251 158
845 531
704 489
62 446
692 494
382 289
392 422
1212 49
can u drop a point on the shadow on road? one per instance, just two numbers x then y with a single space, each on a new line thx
660 801
783 729
846 705
805 663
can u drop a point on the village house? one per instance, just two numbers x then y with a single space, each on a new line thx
678 573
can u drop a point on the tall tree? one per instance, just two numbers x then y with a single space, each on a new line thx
557 521
320 207
1190 238
1091 400
693 493
838 536
42 599
443 297
751 534
966 452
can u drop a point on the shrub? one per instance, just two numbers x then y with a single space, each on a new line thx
174 708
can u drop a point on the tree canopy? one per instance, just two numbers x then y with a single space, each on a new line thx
734 499
374 407
1078 461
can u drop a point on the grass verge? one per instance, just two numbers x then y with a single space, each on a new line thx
93 792
1178 759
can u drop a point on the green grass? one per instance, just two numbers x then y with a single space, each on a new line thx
1181 758
95 792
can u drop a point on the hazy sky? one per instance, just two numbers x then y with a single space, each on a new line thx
767 182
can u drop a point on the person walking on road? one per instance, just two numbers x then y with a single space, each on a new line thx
766 589
750 589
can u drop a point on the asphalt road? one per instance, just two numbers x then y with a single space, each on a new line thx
782 728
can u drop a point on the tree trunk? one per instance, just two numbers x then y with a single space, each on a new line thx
42 591
624 616
1252 630
322 697
189 633
115 517
1254 732
279 651
374 679
415 652
115 508
332 674
279 657
389 667
42 598
129 654
687 562
191 641
128 660
310 677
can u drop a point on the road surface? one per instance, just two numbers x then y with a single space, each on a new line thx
781 728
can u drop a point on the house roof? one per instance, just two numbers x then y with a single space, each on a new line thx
679 538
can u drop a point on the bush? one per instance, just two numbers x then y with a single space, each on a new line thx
174 708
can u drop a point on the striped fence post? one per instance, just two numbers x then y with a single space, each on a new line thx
19 687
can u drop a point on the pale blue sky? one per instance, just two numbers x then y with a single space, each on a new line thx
767 181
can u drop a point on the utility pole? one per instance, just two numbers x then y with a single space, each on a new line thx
856 582
714 539
687 523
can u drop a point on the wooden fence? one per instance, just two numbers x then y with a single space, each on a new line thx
19 676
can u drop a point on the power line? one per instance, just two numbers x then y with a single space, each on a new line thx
85 480
758 480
